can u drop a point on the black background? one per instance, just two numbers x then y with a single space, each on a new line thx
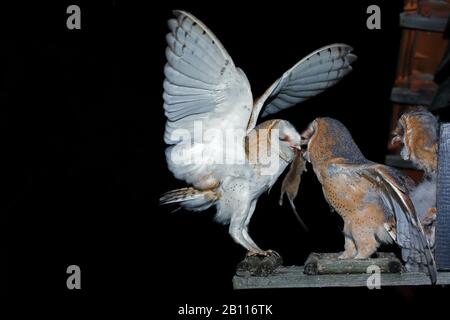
83 119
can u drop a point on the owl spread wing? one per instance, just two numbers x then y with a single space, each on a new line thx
310 76
409 235
201 81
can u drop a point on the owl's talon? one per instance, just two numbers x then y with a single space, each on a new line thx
262 253
273 253
259 263
345 256
257 253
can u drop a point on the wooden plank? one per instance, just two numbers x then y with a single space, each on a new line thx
408 96
329 263
413 20
293 277
442 252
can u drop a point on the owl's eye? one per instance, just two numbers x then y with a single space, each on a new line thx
285 138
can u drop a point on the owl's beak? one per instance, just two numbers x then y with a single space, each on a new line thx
296 147
304 141
397 134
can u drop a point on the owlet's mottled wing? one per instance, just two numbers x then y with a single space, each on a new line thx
310 76
409 235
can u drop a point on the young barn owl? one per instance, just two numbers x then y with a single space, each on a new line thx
417 131
207 98
372 199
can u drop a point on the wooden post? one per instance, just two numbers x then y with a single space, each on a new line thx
329 263
443 200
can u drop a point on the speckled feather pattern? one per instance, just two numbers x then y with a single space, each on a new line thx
372 199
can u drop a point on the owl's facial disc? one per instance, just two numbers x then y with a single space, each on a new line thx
291 138
291 142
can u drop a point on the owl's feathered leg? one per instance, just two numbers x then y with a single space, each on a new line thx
256 250
236 230
349 247
239 207
366 243
257 261
245 229
239 231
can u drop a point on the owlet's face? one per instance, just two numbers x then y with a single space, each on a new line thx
398 137
416 131
327 138
317 139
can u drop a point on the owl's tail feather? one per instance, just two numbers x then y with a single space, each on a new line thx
190 198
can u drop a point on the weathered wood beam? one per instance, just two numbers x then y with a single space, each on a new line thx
419 22
328 263
294 277
408 96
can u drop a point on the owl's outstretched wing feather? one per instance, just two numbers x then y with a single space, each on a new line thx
310 76
201 80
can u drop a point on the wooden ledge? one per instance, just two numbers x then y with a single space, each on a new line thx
294 277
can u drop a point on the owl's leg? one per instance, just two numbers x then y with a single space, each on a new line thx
349 249
366 244
237 224
256 250
258 262
349 246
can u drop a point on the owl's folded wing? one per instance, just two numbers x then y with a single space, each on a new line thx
409 234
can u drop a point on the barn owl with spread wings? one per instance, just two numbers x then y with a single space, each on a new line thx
207 98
